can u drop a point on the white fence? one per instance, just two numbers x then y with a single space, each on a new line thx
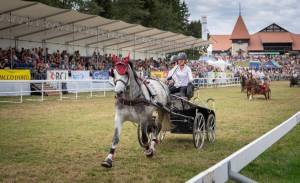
230 166
216 82
21 88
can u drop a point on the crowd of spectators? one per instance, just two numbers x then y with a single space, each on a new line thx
39 60
287 62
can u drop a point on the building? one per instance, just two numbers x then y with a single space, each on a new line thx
273 39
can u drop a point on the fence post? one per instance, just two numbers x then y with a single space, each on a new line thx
60 90
21 94
42 91
91 88
76 91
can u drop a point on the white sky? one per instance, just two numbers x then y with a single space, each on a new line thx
257 14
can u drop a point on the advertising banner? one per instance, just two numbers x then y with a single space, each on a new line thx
80 75
57 75
14 74
101 75
159 74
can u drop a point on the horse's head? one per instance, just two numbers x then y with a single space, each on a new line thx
120 74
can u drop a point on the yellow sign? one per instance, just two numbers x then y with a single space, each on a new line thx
159 74
14 74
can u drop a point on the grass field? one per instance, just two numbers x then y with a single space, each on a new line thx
65 141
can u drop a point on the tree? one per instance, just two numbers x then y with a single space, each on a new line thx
131 11
194 28
84 6
106 6
184 16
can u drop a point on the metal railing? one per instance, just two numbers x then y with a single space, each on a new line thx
230 166
74 86
58 85
216 82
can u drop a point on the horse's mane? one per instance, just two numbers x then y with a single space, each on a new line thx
134 73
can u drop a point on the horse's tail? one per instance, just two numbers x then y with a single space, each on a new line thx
165 120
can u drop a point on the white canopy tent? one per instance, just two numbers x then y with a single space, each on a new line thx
24 23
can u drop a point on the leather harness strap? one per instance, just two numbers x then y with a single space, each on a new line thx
134 102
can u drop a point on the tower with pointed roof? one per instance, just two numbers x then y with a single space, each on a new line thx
271 40
240 37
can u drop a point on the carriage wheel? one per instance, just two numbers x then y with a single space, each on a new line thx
211 126
148 134
199 130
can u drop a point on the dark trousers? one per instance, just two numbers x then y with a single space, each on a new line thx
181 89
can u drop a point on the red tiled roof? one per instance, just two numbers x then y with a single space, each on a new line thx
255 43
223 42
220 42
240 30
275 37
296 41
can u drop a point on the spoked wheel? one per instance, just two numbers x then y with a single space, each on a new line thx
210 128
140 135
199 130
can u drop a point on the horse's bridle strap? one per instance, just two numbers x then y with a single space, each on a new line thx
122 81
133 102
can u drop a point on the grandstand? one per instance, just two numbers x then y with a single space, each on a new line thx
31 24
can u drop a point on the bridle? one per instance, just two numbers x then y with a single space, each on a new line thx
122 81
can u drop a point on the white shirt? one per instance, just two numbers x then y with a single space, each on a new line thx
181 77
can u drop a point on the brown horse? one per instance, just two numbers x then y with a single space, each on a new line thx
254 88
243 79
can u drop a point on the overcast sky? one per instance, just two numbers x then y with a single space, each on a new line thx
257 14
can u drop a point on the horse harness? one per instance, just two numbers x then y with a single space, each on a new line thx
138 99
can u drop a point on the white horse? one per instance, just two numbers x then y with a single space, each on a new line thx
140 102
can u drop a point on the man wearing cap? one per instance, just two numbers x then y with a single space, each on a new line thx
181 74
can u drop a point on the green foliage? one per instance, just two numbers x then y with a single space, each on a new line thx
131 11
84 6
194 29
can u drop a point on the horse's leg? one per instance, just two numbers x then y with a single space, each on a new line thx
153 129
116 138
265 94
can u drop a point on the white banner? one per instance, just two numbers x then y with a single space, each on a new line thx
57 75
80 75
218 77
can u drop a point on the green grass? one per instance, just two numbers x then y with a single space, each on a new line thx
65 141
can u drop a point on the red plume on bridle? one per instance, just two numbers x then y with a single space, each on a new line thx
126 59
121 65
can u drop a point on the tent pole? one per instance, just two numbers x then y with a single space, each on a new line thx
10 40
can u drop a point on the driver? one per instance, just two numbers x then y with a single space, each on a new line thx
181 74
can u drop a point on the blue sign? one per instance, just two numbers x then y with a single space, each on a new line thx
80 75
101 75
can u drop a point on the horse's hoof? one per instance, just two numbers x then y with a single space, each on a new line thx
149 153
107 163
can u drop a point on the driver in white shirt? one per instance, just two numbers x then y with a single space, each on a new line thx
181 74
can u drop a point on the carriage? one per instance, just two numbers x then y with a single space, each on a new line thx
295 78
294 81
189 117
